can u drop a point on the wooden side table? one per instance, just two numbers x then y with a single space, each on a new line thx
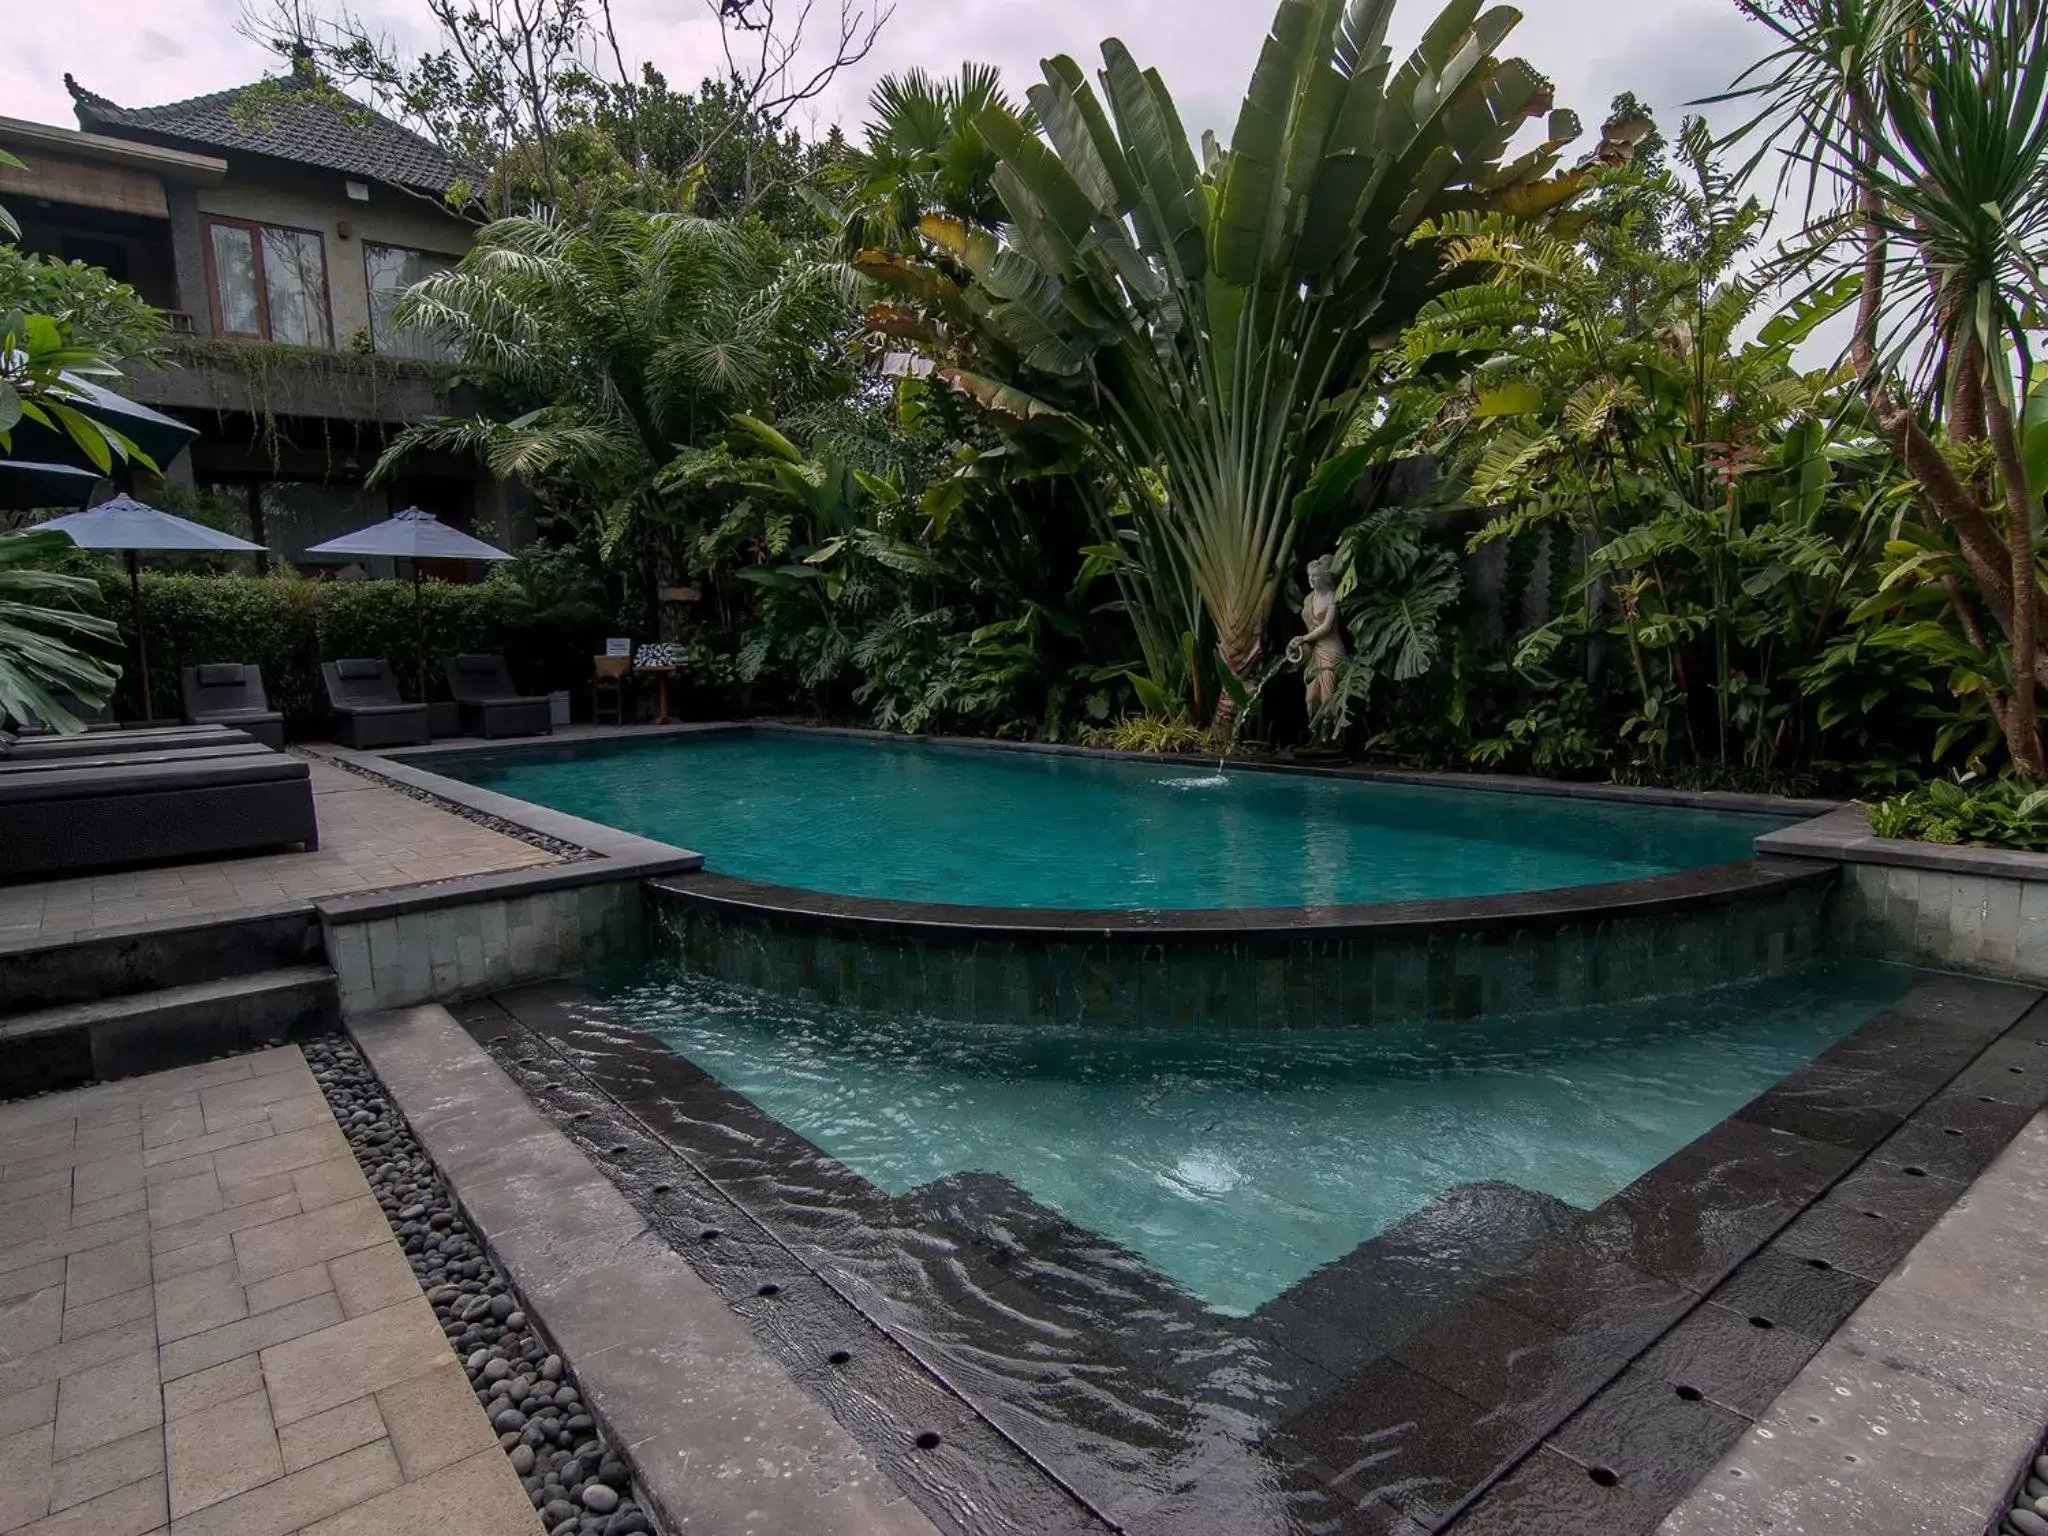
661 676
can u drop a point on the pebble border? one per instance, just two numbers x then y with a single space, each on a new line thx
2028 1511
578 1485
567 852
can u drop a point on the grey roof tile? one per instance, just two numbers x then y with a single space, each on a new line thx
292 124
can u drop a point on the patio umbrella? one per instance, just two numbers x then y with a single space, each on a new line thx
127 525
26 486
161 437
413 535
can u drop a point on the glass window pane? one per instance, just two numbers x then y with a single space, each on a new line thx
295 274
391 270
234 280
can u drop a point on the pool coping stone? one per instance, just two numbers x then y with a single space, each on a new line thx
1577 1354
719 1435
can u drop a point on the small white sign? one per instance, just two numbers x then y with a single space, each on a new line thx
618 647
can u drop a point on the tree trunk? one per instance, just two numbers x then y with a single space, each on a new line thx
2022 717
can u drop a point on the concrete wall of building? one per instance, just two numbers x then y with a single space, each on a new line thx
318 201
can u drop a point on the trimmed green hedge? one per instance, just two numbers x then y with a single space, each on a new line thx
287 626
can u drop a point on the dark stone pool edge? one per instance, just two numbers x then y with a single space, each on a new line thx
1255 968
1660 1285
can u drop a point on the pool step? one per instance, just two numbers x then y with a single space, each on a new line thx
1357 1308
129 1033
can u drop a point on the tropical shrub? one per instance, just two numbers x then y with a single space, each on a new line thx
288 626
1990 813
48 641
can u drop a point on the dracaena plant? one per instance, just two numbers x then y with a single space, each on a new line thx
1210 324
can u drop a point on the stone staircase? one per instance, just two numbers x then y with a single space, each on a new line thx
98 1007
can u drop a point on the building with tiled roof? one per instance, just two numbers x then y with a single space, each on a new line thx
295 120
277 224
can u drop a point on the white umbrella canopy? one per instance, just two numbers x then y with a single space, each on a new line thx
126 524
413 535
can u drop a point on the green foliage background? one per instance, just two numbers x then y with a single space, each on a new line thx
287 626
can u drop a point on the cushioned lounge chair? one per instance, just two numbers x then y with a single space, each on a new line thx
96 717
368 712
491 706
69 820
45 746
201 751
231 693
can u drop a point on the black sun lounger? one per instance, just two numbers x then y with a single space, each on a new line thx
230 693
368 713
482 686
68 820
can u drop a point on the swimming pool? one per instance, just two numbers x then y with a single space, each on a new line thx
978 827
1237 1164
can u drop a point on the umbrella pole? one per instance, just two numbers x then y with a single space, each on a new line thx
419 629
141 644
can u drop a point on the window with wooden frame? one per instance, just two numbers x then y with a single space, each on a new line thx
268 281
389 270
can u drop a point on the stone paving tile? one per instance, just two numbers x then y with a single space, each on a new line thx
206 1325
27 1408
114 1465
134 1510
199 1301
225 1223
371 1279
343 1429
24 1477
31 1323
299 1498
470 1498
352 1359
184 1356
76 1355
107 1402
216 1384
221 1451
106 1176
433 1420
36 1277
293 1285
327 1233
106 1271
124 1307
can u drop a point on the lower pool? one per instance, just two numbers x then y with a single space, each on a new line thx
1236 1164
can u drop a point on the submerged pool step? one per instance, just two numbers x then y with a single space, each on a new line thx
135 1032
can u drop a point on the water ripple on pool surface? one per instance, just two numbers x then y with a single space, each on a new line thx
984 827
1237 1164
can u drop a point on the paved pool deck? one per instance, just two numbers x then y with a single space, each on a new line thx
372 838
207 1327
1920 1412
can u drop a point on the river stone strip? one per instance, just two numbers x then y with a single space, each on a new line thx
720 1437
1925 1409
576 1482
561 847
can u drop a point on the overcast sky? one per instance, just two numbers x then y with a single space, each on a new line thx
141 52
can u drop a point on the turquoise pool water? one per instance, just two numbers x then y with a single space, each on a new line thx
1237 1164
1014 829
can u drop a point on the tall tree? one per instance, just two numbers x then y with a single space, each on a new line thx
1212 326
1921 127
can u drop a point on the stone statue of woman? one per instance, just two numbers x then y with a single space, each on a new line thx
1320 652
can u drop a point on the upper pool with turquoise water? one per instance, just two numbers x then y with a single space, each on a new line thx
973 826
